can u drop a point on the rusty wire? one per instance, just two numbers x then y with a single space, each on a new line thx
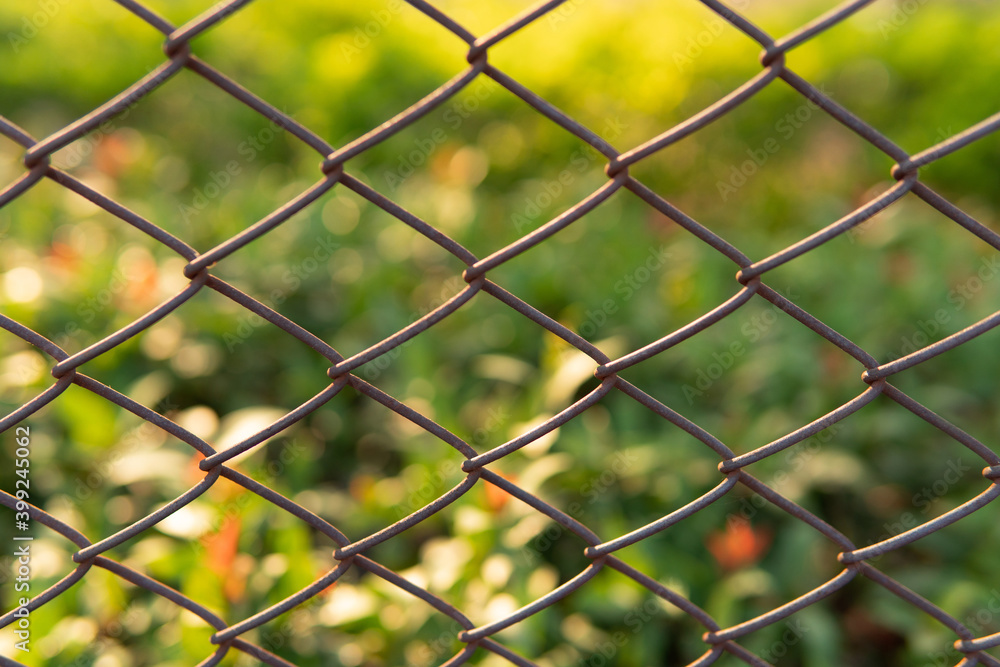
69 369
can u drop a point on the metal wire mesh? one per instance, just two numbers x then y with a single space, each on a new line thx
601 549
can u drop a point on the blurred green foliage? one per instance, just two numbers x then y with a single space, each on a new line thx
486 169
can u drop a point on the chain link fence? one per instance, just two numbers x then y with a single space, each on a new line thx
602 549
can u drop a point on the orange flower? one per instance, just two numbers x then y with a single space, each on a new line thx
63 258
221 550
143 282
113 155
739 545
496 497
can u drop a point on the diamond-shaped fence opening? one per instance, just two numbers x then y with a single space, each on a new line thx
354 453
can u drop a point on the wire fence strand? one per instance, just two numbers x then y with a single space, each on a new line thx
853 560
